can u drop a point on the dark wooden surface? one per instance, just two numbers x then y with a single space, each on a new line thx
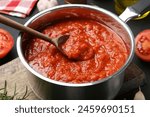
135 25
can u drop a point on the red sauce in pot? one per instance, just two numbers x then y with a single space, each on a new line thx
102 50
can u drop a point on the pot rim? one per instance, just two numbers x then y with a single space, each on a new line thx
40 14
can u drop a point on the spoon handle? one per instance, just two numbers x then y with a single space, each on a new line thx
23 28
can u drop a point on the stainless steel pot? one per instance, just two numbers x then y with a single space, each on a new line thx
107 88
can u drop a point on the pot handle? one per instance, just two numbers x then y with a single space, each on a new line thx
134 10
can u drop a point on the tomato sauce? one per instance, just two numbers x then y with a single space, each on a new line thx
99 51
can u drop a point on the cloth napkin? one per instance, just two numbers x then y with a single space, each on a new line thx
19 8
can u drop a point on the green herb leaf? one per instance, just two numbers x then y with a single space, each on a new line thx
4 95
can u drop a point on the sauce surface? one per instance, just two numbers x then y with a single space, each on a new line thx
102 52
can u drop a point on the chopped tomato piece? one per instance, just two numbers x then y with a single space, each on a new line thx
6 42
143 45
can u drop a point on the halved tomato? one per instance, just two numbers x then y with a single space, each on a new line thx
142 42
6 42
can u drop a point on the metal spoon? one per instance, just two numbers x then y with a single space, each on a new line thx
55 41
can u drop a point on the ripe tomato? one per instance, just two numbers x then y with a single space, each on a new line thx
142 42
6 42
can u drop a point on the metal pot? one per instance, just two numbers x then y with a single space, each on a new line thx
107 88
